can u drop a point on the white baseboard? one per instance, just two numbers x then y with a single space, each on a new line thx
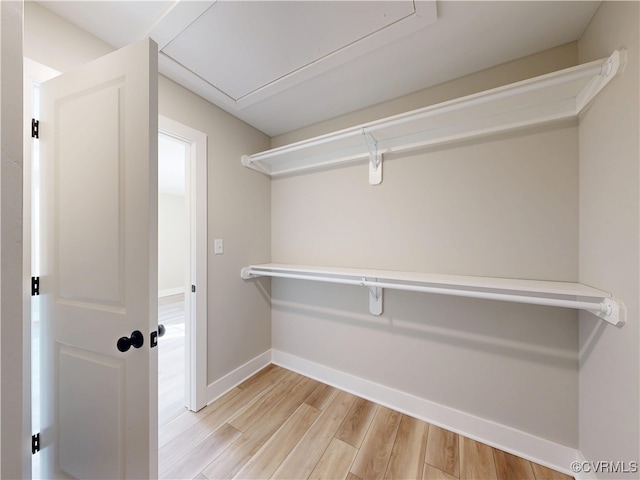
541 451
581 474
218 388
170 291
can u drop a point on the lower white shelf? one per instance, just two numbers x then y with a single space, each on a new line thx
535 292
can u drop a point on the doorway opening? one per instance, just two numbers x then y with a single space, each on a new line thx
182 268
174 275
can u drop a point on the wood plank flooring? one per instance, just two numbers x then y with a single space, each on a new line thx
171 358
279 424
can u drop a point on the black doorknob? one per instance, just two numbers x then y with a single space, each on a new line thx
161 330
136 341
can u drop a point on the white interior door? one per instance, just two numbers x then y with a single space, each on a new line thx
98 283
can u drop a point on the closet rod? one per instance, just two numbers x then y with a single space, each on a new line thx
606 308
600 307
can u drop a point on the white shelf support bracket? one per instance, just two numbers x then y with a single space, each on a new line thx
248 162
612 311
375 159
375 297
614 65
246 273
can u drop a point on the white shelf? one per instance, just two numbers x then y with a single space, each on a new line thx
536 292
547 98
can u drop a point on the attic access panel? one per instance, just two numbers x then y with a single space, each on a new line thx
251 50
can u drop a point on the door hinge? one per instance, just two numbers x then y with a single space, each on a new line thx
35 443
193 289
35 286
35 128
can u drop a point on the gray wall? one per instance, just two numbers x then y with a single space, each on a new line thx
172 243
14 458
503 206
56 42
239 213
609 243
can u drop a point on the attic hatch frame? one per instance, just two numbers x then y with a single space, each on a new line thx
547 98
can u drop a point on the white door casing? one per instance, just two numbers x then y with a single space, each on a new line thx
98 141
34 74
195 302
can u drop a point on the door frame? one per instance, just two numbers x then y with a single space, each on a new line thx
195 302
34 73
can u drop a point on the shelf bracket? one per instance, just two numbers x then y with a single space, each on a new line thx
611 311
248 162
615 64
375 159
375 297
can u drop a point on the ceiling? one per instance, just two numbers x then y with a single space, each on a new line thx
282 65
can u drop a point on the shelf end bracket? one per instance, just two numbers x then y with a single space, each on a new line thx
375 159
246 273
248 162
612 311
614 65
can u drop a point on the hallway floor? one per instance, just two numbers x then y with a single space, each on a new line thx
171 358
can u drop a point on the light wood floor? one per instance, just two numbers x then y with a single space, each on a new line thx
279 424
171 358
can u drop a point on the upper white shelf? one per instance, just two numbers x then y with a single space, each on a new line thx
555 96
535 292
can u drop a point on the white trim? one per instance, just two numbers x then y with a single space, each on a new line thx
195 303
167 292
582 475
234 378
34 73
544 452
